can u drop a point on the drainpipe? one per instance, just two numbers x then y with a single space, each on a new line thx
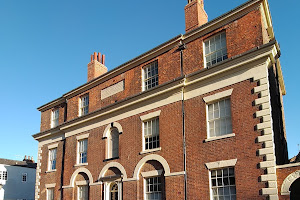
62 169
182 47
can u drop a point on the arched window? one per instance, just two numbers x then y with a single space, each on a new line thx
113 143
114 191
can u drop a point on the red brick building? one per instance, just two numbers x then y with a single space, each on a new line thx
198 117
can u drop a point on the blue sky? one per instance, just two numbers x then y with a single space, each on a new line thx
45 47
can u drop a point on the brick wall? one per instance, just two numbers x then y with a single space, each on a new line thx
282 174
242 146
130 145
242 35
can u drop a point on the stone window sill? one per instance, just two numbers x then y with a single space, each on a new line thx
220 137
150 150
80 164
49 171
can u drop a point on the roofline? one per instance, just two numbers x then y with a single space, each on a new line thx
161 49
266 49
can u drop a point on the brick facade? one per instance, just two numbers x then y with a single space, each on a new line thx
185 148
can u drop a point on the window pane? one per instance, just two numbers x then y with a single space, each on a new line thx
226 191
151 75
52 159
153 188
219 118
220 188
84 105
215 49
82 151
151 133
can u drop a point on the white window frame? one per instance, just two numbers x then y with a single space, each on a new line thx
85 192
219 165
81 151
113 143
145 118
209 100
220 119
152 135
50 193
107 186
52 158
157 191
223 57
154 65
3 175
55 118
84 105
223 185
24 177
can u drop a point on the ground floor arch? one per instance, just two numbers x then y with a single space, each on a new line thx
291 185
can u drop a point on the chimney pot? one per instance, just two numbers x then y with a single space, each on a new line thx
99 57
103 59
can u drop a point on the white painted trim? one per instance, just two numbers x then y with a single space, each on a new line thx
218 96
261 100
220 137
81 164
51 185
262 113
67 186
176 173
221 164
288 181
268 177
267 164
150 150
265 138
52 146
265 151
116 165
86 182
107 135
108 127
51 137
249 66
268 191
150 115
152 173
288 165
77 171
156 157
49 171
96 183
81 137
107 186
129 109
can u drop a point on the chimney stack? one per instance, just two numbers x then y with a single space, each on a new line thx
97 66
195 14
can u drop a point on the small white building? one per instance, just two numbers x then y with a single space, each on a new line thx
17 179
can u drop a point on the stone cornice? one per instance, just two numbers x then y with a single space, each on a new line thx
52 104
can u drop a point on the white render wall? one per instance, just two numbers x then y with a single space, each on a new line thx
14 188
